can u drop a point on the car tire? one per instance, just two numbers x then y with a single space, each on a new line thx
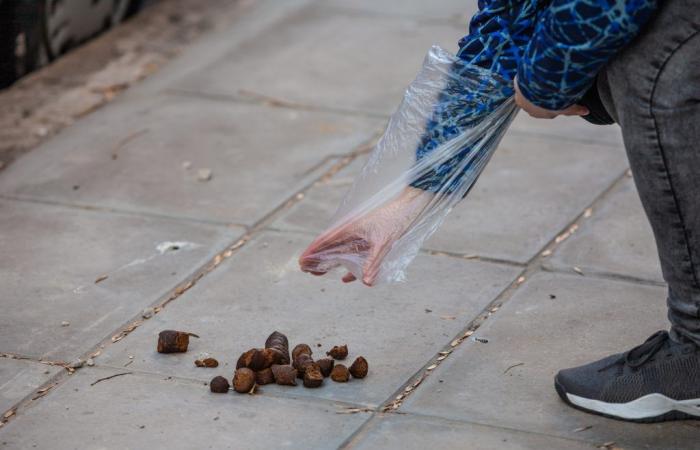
25 43
20 38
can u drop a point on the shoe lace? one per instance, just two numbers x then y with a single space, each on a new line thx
640 354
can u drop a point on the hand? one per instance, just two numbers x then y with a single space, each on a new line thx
369 237
541 113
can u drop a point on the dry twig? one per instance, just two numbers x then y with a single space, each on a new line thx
110 377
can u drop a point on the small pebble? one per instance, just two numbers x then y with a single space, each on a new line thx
77 364
147 313
204 174
65 323
186 164
90 362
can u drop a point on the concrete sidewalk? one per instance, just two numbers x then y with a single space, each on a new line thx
550 259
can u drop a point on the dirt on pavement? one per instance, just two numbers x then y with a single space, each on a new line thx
44 102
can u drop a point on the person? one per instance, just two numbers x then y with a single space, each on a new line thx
633 62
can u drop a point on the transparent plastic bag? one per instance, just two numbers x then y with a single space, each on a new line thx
451 119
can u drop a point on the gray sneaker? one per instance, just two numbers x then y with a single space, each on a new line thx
654 382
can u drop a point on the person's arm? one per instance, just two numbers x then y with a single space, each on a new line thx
572 41
498 35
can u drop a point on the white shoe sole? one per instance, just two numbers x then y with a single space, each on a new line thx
652 405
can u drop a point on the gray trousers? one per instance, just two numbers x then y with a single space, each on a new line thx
652 90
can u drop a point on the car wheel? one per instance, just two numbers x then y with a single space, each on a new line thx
20 38
67 23
123 9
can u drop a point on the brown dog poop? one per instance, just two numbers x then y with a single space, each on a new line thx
219 385
301 349
206 362
284 375
276 364
326 366
340 374
255 359
264 377
276 351
279 345
313 377
243 380
338 352
172 341
301 357
359 367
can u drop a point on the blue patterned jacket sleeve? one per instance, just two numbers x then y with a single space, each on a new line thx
498 34
573 40
555 47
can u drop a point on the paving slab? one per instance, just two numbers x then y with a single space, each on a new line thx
314 213
328 59
409 432
532 188
589 319
52 256
396 327
437 9
616 239
258 157
136 411
530 191
19 378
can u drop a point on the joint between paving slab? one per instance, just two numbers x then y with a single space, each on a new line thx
604 275
256 98
34 359
456 20
449 420
474 257
126 212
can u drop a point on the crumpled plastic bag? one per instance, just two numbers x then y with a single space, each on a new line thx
451 119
